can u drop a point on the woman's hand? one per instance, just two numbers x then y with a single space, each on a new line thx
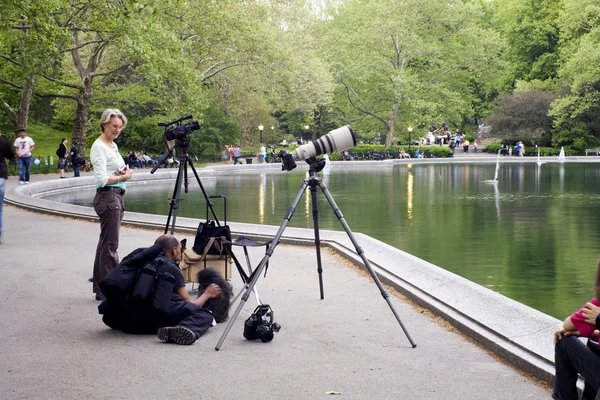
125 173
213 290
563 332
590 312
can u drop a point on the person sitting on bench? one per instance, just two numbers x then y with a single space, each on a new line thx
146 294
573 357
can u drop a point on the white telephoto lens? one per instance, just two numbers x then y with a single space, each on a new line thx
339 139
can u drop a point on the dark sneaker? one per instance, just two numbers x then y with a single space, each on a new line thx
177 334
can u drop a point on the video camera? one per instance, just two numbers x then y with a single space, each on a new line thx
179 131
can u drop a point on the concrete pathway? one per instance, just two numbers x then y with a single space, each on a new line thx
54 344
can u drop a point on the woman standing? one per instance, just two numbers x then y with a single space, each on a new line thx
110 175
62 154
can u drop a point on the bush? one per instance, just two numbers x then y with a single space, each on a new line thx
494 147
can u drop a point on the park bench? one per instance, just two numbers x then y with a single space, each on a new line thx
592 151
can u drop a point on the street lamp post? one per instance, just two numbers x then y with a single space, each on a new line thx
260 129
409 138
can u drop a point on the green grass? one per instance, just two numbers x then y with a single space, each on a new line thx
46 139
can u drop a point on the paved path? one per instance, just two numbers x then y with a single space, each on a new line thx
54 344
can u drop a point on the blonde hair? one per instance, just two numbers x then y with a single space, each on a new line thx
108 114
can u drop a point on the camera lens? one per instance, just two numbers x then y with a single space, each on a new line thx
266 337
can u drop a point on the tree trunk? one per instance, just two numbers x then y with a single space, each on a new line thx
20 117
82 114
23 113
391 127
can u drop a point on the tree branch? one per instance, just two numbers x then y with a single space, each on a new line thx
348 90
12 115
53 80
219 67
62 96
110 72
460 66
75 53
84 44
12 60
10 83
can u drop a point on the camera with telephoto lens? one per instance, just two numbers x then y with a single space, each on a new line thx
260 324
339 139
179 131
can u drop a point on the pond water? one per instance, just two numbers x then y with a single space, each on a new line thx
534 236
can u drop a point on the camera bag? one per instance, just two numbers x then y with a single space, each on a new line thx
210 230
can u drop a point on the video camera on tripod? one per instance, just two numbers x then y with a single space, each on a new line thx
179 131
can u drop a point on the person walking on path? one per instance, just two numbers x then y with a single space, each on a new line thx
6 153
75 161
237 154
62 154
110 174
24 146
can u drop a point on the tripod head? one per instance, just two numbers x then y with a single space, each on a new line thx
316 164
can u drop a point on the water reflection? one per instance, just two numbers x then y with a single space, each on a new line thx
410 183
533 236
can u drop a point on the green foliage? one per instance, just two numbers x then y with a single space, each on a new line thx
531 29
410 61
430 151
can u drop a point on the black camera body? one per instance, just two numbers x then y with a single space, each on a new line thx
179 131
287 160
260 324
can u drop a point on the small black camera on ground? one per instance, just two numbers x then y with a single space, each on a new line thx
179 131
260 324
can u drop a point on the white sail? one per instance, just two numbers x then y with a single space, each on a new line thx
561 155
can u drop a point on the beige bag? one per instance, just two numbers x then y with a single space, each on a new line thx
192 263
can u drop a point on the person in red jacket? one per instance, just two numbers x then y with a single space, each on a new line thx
573 357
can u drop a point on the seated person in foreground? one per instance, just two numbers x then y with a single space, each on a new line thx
573 357
146 294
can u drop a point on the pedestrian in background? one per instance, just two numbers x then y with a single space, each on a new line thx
75 160
24 146
62 154
6 153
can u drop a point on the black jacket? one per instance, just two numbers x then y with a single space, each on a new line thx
6 153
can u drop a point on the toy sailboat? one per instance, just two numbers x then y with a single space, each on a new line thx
495 180
539 162
561 155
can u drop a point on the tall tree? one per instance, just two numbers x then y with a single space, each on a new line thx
409 60
531 30
29 44
576 114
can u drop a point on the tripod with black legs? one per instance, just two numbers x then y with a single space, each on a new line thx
182 178
313 182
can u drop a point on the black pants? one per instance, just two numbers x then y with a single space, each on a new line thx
190 316
109 208
572 356
139 319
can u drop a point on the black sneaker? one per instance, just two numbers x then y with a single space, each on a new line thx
177 334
